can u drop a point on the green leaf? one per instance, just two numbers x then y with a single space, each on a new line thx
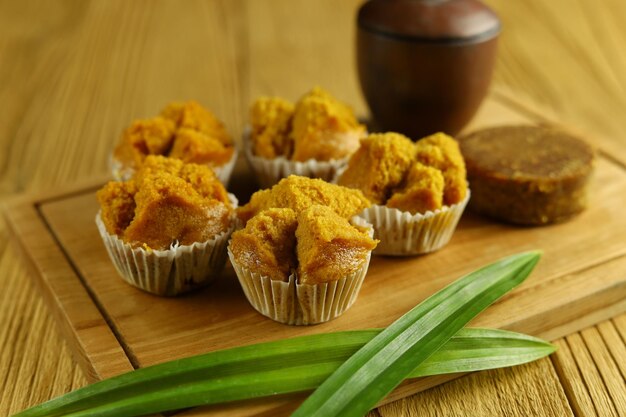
285 366
390 357
469 350
480 349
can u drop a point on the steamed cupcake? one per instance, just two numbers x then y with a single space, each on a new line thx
185 131
418 190
301 267
312 138
166 229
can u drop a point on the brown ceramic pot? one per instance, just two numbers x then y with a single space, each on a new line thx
425 65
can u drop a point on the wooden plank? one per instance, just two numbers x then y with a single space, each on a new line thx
33 353
620 326
501 392
601 356
559 318
87 332
615 343
569 375
591 376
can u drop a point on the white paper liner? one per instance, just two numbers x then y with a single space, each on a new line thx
170 272
338 174
404 234
223 172
301 304
269 171
119 171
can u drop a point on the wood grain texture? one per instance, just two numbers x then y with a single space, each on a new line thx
607 367
89 330
508 390
570 376
614 343
591 376
74 73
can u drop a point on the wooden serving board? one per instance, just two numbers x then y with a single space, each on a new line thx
113 327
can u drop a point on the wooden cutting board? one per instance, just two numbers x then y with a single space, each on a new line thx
113 327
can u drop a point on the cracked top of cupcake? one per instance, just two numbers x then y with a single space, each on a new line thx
185 131
316 242
166 202
299 193
318 127
391 170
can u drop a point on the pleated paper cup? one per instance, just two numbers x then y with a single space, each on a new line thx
179 269
404 234
223 172
301 304
121 172
269 171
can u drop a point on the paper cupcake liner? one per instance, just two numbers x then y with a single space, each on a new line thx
300 304
269 171
338 174
404 234
119 171
170 272
222 172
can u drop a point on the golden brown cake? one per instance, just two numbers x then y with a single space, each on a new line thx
379 165
423 190
270 119
166 202
118 202
324 128
191 115
145 137
299 193
391 170
442 152
329 247
318 127
527 174
266 245
185 131
195 147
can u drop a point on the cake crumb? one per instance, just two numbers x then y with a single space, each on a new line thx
266 245
379 165
423 190
328 246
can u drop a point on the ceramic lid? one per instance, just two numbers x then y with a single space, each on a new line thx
431 20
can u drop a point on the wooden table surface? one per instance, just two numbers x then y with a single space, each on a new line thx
73 73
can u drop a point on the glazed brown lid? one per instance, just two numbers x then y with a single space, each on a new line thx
430 20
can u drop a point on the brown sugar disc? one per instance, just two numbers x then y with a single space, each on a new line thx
527 174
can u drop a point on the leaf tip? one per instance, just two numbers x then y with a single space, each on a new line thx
553 348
